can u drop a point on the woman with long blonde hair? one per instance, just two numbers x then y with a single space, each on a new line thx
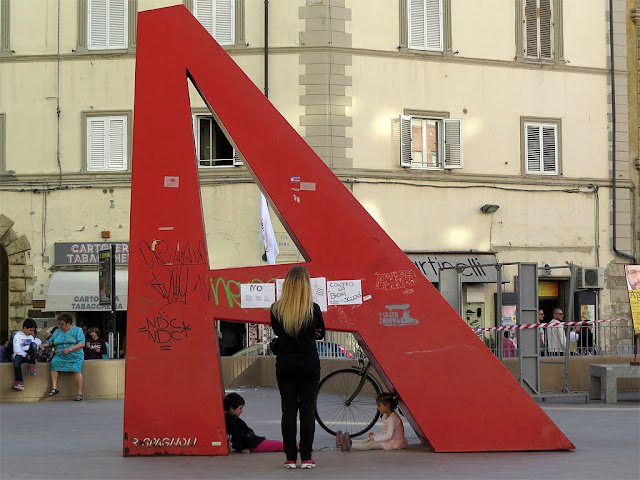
298 323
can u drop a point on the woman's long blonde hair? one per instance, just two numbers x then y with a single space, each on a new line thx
294 308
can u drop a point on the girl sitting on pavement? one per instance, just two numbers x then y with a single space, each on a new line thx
243 439
392 436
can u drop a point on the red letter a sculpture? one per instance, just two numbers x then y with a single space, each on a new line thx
456 394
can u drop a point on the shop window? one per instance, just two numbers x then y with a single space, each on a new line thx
212 147
541 147
107 142
430 142
106 25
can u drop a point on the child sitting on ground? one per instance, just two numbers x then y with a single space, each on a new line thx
392 436
24 349
243 439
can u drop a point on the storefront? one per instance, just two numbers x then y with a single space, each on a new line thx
475 276
74 288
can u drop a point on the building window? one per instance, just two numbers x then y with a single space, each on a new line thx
218 17
106 25
541 146
539 30
430 142
107 143
212 147
5 49
426 25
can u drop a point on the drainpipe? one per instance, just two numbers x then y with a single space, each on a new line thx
613 141
266 48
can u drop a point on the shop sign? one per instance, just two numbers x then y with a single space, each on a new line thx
431 263
86 253
547 289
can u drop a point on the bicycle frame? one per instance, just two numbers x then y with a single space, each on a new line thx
364 373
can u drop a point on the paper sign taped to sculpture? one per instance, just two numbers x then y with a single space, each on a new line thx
344 292
257 295
318 290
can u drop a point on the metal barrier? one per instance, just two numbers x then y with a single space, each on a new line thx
610 338
334 345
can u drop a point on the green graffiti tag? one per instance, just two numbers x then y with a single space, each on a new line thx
233 297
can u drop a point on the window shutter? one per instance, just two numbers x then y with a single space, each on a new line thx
203 11
546 30
96 144
417 16
118 25
452 143
433 23
224 22
97 13
549 149
117 144
532 148
236 158
405 141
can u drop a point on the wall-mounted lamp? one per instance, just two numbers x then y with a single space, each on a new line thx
547 269
489 208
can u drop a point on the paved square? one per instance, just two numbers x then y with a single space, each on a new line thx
83 440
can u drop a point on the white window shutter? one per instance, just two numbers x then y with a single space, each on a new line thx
417 22
405 141
237 160
546 30
452 143
96 145
549 149
224 22
117 143
433 22
97 23
532 148
117 24
203 11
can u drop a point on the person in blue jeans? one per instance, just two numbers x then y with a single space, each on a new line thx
24 349
298 323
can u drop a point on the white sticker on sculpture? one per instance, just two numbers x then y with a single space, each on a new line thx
344 292
171 182
257 295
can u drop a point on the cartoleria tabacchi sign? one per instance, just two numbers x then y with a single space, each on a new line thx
86 253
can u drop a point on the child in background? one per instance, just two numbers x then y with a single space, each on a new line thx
243 439
392 436
24 348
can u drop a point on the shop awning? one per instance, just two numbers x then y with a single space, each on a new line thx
74 291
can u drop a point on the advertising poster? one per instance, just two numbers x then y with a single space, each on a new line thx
105 276
632 272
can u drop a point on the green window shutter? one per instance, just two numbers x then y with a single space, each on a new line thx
452 143
405 140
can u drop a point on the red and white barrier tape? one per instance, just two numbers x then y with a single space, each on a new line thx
512 328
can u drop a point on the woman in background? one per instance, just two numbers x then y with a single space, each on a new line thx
68 342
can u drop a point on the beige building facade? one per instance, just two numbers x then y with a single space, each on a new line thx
427 110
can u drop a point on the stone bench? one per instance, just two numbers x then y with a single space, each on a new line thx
610 373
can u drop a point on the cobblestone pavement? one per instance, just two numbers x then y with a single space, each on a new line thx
83 440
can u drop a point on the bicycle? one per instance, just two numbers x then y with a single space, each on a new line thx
347 400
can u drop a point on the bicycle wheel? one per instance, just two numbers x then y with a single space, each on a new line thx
332 411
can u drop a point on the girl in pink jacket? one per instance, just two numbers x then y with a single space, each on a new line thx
392 436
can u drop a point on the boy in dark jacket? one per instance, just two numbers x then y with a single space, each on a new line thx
243 439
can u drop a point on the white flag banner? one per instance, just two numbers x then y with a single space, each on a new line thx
266 232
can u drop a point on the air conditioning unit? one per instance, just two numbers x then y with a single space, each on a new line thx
588 278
